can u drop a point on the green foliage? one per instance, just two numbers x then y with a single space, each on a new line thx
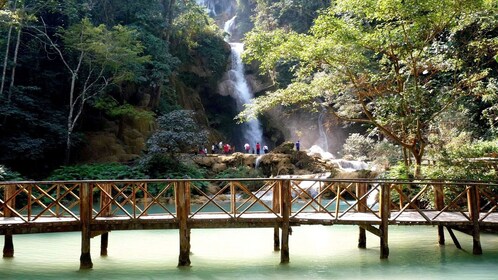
471 161
113 109
296 15
166 167
32 131
242 171
239 172
358 146
177 132
117 50
192 24
9 175
98 171
212 47
398 171
390 64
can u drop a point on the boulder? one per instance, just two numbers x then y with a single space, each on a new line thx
219 167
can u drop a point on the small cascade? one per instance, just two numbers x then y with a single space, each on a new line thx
351 165
323 135
344 165
373 197
258 160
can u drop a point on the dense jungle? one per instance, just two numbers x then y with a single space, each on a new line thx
116 89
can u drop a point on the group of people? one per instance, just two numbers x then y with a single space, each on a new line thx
256 149
221 148
226 148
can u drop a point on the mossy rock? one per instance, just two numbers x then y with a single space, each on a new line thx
284 148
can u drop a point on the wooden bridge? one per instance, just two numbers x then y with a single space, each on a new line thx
98 207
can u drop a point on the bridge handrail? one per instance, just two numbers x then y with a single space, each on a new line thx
423 200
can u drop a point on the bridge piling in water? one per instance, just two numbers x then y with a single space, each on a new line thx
385 201
361 190
474 207
182 191
9 194
285 200
86 216
276 209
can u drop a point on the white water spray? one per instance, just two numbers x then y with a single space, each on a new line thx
208 5
252 131
323 135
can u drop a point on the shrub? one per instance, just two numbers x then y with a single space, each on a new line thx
358 146
9 175
99 171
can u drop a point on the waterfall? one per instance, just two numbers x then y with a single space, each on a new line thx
252 131
209 5
321 131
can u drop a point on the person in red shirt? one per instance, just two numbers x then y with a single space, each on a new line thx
258 148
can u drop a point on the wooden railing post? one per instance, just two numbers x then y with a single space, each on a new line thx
286 199
439 203
276 209
385 203
361 190
86 190
474 209
233 200
8 246
182 209
106 212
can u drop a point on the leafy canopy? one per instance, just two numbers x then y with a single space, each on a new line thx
390 64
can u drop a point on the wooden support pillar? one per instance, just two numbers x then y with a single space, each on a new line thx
106 212
85 218
361 190
439 203
474 208
285 207
276 209
182 208
454 238
385 203
104 243
10 201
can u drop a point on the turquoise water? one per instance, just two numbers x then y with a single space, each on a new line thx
316 252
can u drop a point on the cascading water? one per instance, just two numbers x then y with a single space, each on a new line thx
323 136
209 5
251 131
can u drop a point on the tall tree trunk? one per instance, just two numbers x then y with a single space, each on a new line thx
70 123
6 57
13 74
168 6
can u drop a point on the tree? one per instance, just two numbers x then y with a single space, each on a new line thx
385 63
177 132
95 58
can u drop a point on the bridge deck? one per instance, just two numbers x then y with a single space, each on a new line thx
221 220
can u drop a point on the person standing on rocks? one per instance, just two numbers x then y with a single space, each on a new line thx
298 145
265 149
247 147
258 148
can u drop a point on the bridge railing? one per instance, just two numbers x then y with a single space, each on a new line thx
336 200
